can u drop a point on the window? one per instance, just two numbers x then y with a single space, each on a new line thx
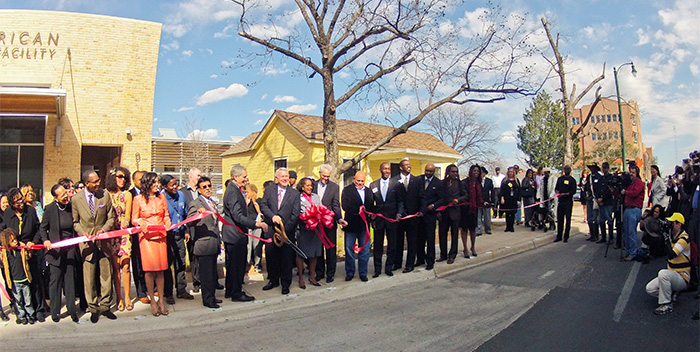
574 121
609 118
281 162
634 135
438 172
22 152
168 168
610 135
634 120
616 135
614 117
603 136
592 136
349 175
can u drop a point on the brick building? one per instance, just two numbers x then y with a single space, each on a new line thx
76 93
600 139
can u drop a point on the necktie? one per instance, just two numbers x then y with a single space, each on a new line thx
384 187
405 182
279 198
91 204
427 181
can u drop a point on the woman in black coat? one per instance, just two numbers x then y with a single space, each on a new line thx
510 198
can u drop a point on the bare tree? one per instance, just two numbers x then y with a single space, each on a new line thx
194 151
460 128
569 101
384 49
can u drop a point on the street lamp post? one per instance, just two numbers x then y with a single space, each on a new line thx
619 107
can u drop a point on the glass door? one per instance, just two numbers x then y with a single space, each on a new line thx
22 152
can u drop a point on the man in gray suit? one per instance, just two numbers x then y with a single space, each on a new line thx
92 215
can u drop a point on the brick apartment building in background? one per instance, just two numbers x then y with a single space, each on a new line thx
600 139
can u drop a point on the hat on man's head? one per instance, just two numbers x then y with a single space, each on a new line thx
292 174
677 217
483 169
547 169
594 167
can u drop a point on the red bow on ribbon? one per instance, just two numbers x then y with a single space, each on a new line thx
315 215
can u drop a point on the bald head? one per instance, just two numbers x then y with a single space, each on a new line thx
429 170
360 179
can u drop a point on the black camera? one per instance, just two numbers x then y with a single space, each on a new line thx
620 180
666 227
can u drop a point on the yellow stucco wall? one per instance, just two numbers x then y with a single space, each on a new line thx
110 79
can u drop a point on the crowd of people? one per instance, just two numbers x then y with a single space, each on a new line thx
296 223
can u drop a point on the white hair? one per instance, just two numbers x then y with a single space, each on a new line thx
326 167
277 172
237 170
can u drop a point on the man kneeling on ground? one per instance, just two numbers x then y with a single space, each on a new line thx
677 275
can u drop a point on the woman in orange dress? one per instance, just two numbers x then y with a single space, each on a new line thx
118 182
150 209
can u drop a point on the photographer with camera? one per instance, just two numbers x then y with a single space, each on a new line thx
653 229
633 201
674 191
676 276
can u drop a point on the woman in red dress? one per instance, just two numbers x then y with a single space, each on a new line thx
150 209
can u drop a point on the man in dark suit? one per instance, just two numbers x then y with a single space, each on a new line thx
386 202
92 215
330 197
136 268
57 225
455 193
190 192
235 242
432 198
410 191
483 223
355 196
206 242
280 205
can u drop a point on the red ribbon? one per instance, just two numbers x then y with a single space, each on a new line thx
136 229
315 215
368 238
4 292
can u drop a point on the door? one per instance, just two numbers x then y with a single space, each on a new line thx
100 159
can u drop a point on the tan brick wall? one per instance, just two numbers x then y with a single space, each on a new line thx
111 82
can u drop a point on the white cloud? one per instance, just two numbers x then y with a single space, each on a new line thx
259 122
299 109
267 31
508 137
155 119
285 99
184 108
186 14
225 63
211 52
213 76
187 53
273 71
264 96
263 112
199 134
215 95
174 45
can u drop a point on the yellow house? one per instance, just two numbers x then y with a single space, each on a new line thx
295 141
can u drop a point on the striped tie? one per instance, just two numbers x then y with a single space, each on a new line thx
91 203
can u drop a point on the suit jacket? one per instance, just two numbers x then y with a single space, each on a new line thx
351 202
409 198
288 210
331 198
236 212
487 191
50 230
30 224
189 197
433 194
85 223
206 237
456 191
390 207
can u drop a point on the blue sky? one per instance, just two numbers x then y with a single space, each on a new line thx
199 42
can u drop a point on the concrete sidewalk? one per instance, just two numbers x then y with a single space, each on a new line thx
186 313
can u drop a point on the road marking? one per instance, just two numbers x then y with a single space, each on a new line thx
626 292
580 248
546 274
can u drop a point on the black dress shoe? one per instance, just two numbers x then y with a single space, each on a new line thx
566 240
196 288
212 306
363 278
330 279
396 267
285 290
243 297
441 259
602 240
557 240
218 300
419 263
55 319
348 278
407 269
270 285
450 261
219 286
376 274
94 317
429 267
227 295
389 273
75 318
109 315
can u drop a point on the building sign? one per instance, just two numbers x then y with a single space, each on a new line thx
28 46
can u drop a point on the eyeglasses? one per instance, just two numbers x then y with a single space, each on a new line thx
205 186
18 201
79 187
120 176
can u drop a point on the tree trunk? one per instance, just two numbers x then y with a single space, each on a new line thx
330 140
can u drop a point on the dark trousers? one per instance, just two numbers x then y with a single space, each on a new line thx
564 214
194 264
236 263
37 286
384 229
176 264
401 237
279 264
447 224
62 279
325 264
426 236
136 268
208 278
510 220
412 230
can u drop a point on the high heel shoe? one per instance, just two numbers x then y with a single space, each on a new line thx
155 310
314 282
163 311
302 285
120 306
